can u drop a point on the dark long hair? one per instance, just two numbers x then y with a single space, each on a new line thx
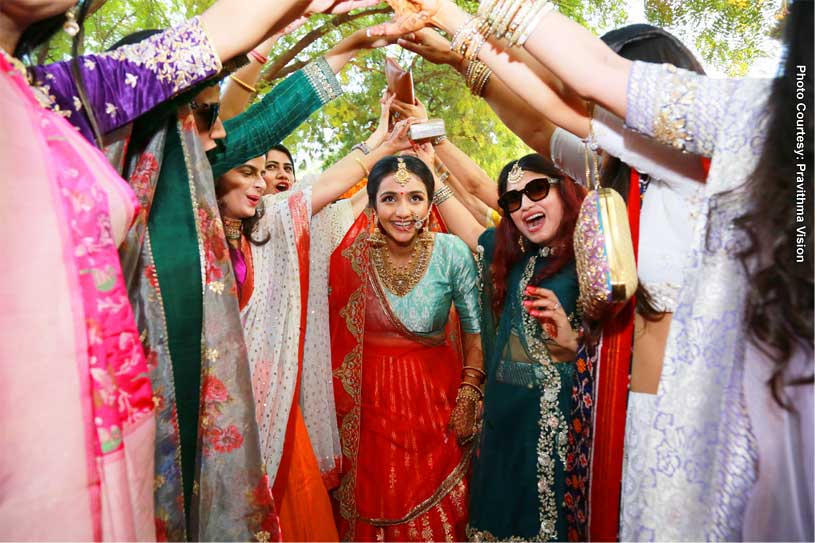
249 225
645 43
508 251
779 312
388 165
37 34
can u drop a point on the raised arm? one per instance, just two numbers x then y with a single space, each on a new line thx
235 26
676 107
475 180
534 83
287 105
349 170
516 114
457 218
239 88
127 82
277 115
480 211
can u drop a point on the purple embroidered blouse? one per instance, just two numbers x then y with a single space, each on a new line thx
125 83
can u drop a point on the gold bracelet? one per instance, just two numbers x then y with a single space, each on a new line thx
479 370
502 24
477 75
544 9
361 165
245 86
465 385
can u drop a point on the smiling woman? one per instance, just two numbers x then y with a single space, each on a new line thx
276 244
528 306
398 367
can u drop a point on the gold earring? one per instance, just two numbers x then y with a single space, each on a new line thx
71 27
521 244
376 239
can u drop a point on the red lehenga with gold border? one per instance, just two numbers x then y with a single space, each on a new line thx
403 474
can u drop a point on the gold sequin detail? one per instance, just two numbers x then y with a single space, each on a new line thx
670 124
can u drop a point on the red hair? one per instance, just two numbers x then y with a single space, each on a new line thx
507 250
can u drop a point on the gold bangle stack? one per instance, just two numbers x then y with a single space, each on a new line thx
479 373
468 40
513 20
476 75
469 390
442 195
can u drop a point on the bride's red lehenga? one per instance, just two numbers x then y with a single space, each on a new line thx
403 473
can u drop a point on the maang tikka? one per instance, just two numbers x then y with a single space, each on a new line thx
515 174
402 174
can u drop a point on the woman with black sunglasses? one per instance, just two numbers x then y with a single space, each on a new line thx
528 309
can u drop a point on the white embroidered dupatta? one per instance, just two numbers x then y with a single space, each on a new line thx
271 320
272 325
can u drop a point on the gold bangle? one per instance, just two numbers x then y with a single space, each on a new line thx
466 393
361 165
465 384
245 86
479 370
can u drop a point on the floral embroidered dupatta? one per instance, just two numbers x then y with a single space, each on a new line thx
402 472
230 481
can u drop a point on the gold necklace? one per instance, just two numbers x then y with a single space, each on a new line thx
232 228
402 279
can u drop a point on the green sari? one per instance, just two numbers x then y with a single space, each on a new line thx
518 481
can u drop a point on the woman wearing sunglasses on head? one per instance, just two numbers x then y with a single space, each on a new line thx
528 306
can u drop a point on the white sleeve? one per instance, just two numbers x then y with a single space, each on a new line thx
643 153
568 154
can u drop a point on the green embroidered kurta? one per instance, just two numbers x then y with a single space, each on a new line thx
518 482
183 256
281 111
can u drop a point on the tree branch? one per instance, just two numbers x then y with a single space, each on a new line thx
273 71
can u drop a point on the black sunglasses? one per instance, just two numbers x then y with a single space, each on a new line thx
535 190
208 113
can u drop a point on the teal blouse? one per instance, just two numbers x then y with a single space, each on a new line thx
451 277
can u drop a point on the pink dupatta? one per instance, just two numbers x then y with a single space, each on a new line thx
78 427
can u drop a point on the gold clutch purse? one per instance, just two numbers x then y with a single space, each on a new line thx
604 252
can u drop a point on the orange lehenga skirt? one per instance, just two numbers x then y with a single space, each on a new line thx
404 476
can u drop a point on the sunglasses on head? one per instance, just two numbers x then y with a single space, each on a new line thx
208 113
535 190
